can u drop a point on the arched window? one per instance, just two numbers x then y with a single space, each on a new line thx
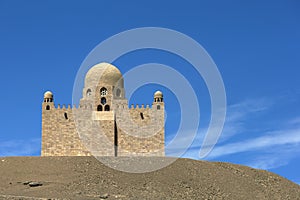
103 100
118 93
47 107
66 116
158 107
99 108
88 92
103 92
106 108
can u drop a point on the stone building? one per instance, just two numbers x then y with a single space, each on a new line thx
103 124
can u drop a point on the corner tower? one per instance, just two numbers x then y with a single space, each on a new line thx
158 101
59 136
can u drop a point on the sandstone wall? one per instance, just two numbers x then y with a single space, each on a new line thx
122 132
59 136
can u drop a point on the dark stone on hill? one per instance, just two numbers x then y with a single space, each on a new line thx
35 184
26 182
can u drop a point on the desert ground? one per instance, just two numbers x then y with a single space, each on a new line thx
85 178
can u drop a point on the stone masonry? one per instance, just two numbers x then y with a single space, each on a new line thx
103 124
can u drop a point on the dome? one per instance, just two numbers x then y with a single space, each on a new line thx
48 95
105 73
158 94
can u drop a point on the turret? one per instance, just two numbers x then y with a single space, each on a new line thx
158 96
48 96
48 101
158 101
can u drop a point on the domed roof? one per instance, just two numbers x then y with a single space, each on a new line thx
158 94
48 95
103 73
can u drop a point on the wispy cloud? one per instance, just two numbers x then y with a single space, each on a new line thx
274 157
20 147
271 149
265 148
237 115
271 139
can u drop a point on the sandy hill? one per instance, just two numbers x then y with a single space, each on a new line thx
87 178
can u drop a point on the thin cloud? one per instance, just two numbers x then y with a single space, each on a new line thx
272 150
236 118
238 114
275 157
275 138
268 162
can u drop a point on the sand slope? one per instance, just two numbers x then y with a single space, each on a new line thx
86 178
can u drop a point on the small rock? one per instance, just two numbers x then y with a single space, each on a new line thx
35 184
26 182
104 196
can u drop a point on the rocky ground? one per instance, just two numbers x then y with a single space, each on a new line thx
86 178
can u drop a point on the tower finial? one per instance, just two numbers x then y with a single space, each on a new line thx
158 96
48 96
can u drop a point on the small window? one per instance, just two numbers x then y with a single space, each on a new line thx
103 100
99 108
118 93
66 116
158 107
103 92
142 115
47 107
88 92
106 108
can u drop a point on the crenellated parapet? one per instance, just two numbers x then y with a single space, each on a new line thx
140 107
103 124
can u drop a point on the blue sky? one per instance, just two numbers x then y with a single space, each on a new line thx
255 44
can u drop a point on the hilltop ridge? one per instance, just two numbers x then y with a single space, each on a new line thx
87 178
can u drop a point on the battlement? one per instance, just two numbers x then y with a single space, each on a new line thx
140 107
103 124
65 107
